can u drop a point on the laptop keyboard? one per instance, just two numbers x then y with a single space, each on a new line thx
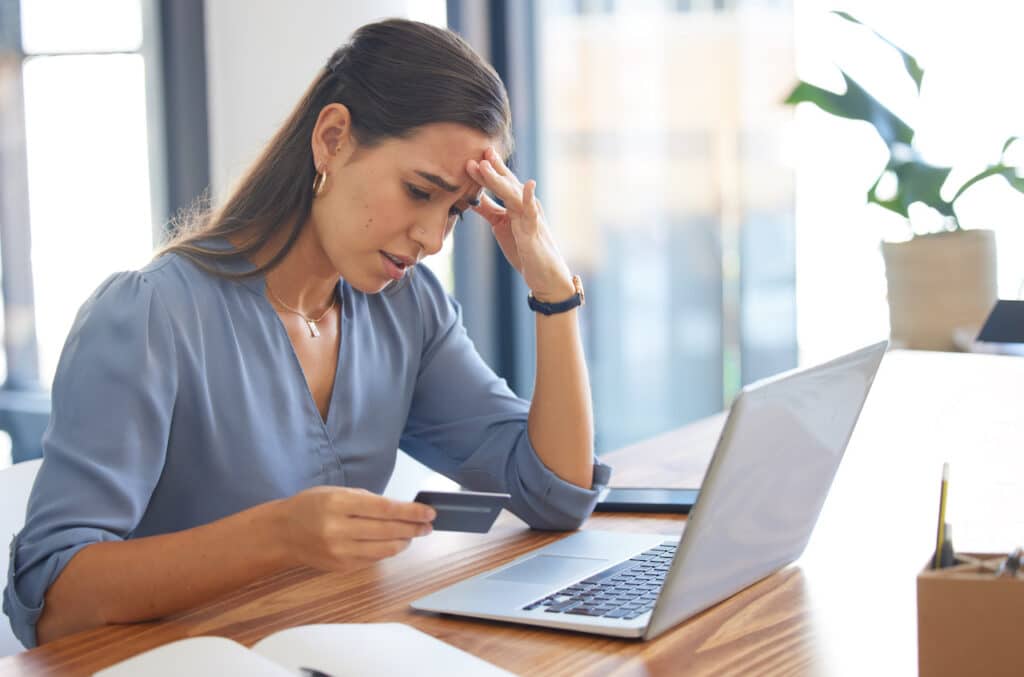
625 590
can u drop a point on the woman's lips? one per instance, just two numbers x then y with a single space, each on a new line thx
392 269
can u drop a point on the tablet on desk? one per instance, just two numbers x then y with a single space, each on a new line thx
647 499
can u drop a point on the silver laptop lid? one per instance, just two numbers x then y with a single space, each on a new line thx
761 496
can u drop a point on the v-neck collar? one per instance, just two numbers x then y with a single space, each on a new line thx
257 284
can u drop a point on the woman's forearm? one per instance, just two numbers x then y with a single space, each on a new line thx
561 419
152 577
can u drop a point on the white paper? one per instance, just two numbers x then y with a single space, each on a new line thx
196 657
339 649
370 649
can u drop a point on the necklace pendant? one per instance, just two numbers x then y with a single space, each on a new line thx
313 331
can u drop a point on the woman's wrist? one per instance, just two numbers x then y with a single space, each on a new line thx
273 521
556 291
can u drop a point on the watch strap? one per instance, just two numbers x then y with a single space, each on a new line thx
576 300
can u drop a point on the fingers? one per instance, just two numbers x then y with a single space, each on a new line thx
490 210
493 174
367 504
529 203
499 165
507 187
368 529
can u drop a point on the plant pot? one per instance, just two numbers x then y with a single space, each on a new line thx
938 283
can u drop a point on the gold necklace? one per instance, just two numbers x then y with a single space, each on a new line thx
310 322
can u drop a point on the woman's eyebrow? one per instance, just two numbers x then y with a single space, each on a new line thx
438 181
473 200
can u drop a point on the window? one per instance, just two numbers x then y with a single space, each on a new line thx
78 110
87 141
659 146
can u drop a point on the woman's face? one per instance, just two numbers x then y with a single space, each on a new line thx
387 207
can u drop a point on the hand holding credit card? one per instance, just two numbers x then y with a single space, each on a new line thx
472 511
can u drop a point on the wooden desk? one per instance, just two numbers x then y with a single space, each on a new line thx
846 607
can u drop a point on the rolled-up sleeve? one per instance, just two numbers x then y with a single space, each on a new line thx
466 423
105 446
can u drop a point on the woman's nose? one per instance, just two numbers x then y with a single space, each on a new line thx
429 237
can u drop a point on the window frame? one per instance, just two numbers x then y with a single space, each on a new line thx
173 53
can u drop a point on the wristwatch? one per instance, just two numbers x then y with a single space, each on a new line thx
577 299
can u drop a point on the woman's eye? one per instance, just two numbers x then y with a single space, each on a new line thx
416 193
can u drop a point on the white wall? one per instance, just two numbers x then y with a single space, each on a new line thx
260 57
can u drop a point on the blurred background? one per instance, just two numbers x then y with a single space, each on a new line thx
722 236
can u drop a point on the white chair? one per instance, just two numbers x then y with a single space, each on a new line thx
15 485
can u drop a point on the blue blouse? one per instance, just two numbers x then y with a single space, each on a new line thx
179 400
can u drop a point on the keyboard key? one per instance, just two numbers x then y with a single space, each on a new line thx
574 600
608 573
560 608
618 613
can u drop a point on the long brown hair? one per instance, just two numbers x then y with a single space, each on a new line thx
394 76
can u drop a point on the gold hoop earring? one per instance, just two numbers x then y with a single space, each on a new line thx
319 182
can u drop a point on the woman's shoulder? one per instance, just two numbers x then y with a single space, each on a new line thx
178 278
170 281
172 273
125 305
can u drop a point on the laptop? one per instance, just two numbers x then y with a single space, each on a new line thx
772 468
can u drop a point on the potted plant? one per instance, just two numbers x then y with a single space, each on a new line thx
940 281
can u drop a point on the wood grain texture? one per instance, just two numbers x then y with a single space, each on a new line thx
841 609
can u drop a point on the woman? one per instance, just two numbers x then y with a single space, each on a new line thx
234 408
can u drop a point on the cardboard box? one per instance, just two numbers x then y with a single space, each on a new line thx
969 620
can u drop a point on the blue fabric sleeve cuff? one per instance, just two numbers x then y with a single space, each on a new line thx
22 617
548 501
26 589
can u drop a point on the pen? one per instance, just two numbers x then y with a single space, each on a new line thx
946 557
313 672
942 516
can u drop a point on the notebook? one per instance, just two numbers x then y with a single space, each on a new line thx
335 649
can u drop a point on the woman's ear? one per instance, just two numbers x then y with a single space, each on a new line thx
332 136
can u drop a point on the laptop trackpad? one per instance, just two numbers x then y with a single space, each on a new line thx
547 569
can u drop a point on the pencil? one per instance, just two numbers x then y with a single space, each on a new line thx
941 537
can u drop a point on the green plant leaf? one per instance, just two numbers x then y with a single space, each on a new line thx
1009 173
916 181
855 104
892 204
1006 146
910 64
